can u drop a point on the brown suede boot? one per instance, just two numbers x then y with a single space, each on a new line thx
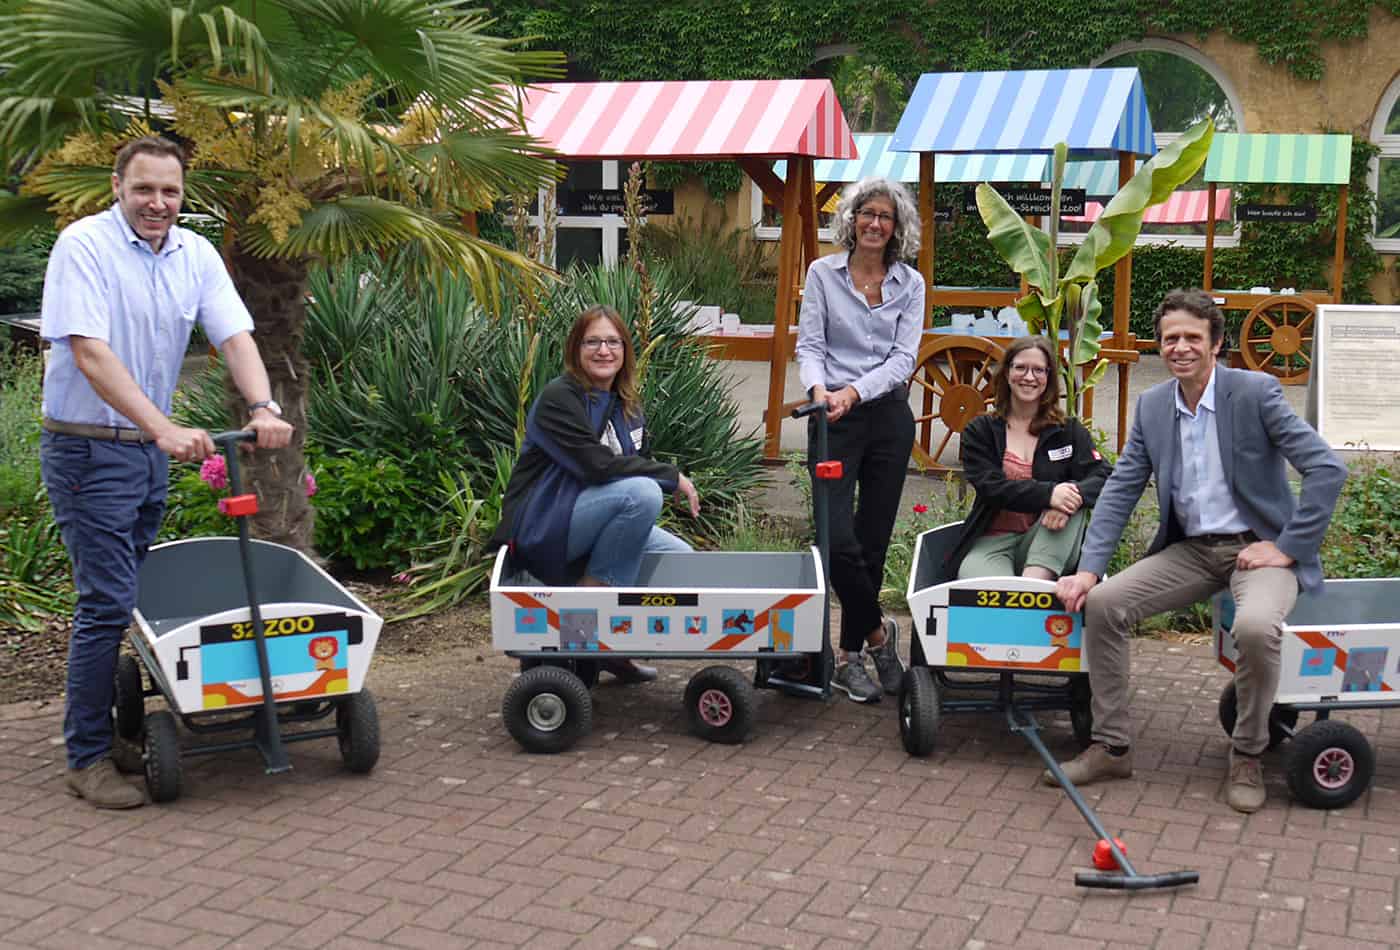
101 786
1094 764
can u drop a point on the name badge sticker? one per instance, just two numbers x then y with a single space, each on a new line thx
1062 453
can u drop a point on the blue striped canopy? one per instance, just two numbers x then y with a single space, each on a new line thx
1098 179
876 158
1097 112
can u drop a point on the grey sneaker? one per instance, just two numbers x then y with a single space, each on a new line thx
852 679
1244 789
101 786
1092 765
886 657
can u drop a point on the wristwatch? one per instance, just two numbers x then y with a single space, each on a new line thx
269 404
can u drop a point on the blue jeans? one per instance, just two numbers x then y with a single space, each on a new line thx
615 524
108 498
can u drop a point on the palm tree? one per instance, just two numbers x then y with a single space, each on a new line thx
316 129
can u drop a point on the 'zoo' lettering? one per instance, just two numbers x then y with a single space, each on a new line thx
658 600
1014 599
274 627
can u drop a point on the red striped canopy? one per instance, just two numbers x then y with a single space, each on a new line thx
674 120
1183 207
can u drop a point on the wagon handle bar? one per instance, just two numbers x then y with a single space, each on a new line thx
807 408
223 439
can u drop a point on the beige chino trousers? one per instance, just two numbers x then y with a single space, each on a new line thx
1179 575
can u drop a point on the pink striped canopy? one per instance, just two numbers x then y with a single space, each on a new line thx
673 120
1183 207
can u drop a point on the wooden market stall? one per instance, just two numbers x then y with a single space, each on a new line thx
1098 113
750 121
1276 334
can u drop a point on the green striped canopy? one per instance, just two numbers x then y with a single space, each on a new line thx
1279 159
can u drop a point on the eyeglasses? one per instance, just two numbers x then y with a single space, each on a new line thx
598 342
1020 369
865 217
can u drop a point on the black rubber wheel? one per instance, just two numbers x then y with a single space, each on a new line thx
547 709
919 707
1081 711
719 703
162 755
587 671
128 698
1282 719
1329 764
357 731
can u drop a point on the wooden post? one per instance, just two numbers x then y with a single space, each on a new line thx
926 212
1122 307
1339 254
1209 278
789 257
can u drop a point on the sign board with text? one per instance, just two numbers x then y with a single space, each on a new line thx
598 201
1276 214
1354 389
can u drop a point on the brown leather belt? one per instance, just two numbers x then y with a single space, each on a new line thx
105 433
1217 540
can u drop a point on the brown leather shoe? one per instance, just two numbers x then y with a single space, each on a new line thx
1092 765
1244 787
101 786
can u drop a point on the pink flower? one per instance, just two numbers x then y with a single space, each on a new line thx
403 577
214 472
920 509
310 484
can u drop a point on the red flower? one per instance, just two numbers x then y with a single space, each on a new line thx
920 509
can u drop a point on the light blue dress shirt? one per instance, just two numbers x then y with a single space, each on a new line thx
1201 496
104 282
843 341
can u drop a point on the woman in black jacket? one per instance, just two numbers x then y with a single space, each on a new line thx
1035 472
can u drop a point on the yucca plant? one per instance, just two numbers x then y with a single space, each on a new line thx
319 129
1072 300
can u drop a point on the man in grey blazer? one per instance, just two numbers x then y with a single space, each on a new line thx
1215 440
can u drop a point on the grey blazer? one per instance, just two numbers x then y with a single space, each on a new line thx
1258 432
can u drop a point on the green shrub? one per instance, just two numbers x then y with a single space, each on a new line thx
21 396
192 508
943 503
22 267
371 511
1363 539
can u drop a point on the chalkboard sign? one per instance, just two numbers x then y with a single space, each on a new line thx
1278 214
1031 199
599 201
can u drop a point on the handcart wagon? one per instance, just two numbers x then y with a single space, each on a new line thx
770 607
1339 650
287 647
1007 645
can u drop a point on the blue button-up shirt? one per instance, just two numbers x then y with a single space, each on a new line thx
104 282
1201 495
843 341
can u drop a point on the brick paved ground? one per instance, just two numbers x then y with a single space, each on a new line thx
820 832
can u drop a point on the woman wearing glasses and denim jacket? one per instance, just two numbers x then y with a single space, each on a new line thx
858 336
589 422
1035 472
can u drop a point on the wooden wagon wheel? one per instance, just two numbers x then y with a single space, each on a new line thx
955 374
1276 337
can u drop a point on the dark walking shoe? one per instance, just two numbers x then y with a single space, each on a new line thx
101 786
853 680
1094 764
1244 786
886 657
127 756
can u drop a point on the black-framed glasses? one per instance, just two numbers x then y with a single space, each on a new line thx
865 217
598 342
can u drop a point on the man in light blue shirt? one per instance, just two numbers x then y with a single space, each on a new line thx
1218 442
123 289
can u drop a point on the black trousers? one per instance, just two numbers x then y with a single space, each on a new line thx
872 442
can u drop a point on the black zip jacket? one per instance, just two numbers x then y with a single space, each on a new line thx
984 444
561 431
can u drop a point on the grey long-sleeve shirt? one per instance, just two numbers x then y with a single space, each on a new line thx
843 341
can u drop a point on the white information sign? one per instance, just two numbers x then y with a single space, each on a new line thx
1355 397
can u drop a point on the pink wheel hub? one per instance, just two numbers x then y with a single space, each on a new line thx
1333 768
716 708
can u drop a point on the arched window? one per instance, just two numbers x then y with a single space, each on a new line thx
1182 86
1385 170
